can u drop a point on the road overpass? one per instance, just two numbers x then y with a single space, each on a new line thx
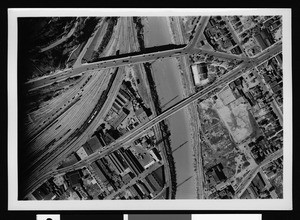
130 60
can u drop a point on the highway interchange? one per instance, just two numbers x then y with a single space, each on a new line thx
47 170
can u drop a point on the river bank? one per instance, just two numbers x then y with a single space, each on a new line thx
167 76
192 114
163 129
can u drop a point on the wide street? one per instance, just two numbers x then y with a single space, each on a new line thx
246 182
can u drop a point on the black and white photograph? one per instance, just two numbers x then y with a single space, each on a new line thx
182 109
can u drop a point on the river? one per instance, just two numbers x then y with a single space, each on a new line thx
166 75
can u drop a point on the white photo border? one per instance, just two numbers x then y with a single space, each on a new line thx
277 204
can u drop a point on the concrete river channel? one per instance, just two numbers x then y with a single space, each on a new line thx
170 89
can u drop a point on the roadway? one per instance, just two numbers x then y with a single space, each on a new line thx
130 60
134 180
234 35
246 182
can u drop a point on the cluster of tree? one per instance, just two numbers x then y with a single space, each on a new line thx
46 30
140 31
56 57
